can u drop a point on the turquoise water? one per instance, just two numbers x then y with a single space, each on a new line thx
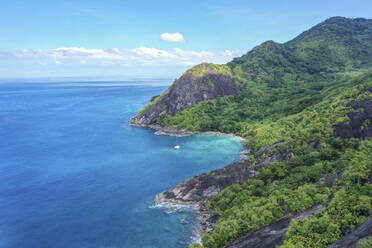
74 174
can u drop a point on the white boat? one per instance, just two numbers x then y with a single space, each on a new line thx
177 147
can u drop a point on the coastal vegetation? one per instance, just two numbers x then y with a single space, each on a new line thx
201 69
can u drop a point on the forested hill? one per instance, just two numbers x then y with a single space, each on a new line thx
331 165
271 81
309 99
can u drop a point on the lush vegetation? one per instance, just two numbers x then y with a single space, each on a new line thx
365 243
350 206
294 92
201 69
296 184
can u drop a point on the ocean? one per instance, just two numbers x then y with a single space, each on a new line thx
74 174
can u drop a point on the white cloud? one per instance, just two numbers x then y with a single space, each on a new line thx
137 57
172 37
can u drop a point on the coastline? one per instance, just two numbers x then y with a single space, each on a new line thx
198 229
207 220
173 131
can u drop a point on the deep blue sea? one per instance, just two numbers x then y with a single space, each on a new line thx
74 174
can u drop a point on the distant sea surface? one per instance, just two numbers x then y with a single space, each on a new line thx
74 174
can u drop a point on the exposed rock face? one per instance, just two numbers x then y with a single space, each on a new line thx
359 125
278 156
272 235
185 92
208 220
330 180
194 190
351 239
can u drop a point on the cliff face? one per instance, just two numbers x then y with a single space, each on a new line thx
188 90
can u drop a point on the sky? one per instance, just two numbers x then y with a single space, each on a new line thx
145 39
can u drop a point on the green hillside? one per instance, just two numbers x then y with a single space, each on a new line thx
298 183
275 80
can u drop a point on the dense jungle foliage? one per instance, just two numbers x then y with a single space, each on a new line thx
296 184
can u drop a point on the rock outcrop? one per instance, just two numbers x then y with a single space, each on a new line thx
351 239
360 124
186 91
272 235
330 180
195 190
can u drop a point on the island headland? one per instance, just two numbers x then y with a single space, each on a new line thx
304 110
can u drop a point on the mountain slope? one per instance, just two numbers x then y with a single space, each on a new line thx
272 80
200 83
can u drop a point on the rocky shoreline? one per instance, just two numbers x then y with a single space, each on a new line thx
194 191
173 131
207 220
